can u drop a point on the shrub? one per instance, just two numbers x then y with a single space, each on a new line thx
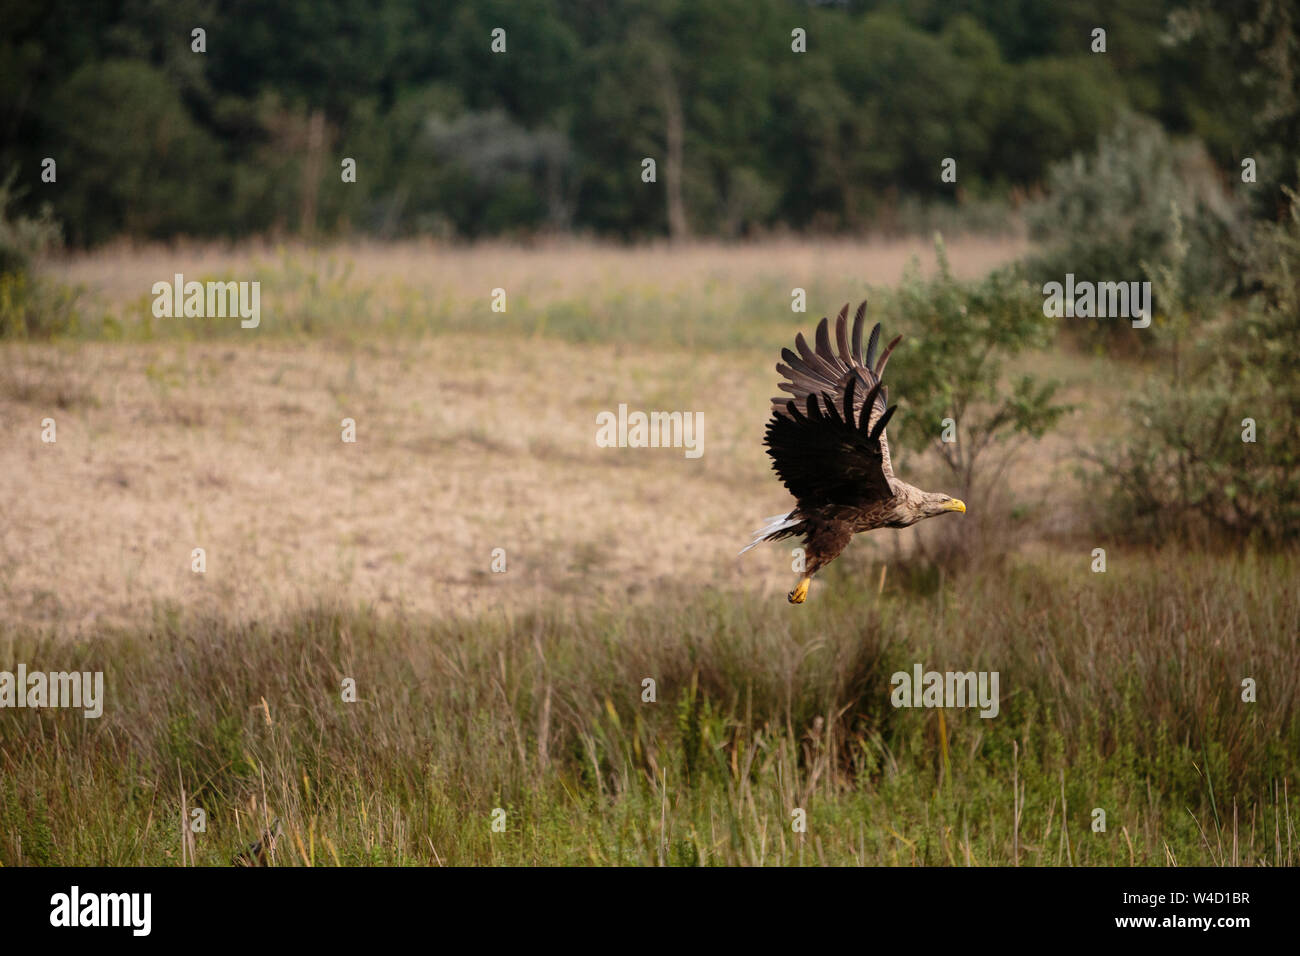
1187 467
1107 217
33 308
961 334
30 307
22 238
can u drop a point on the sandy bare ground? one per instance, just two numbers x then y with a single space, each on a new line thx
463 445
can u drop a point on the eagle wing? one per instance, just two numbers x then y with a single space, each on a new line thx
829 455
821 372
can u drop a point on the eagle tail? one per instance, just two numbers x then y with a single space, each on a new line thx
772 529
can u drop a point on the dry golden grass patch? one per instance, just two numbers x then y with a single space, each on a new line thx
460 450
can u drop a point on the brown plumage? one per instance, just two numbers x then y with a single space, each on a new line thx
828 446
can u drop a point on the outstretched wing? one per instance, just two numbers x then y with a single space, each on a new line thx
828 455
822 372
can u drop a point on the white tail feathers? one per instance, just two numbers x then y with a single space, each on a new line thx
771 526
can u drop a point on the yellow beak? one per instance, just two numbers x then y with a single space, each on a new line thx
955 505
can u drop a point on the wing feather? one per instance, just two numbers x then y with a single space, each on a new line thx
859 322
835 375
826 459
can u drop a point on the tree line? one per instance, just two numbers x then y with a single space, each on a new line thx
490 117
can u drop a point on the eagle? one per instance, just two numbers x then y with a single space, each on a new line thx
828 447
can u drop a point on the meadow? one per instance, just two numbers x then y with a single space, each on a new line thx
523 691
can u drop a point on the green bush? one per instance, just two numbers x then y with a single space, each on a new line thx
23 238
30 307
1186 467
960 335
33 308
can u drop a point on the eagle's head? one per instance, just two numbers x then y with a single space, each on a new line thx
936 503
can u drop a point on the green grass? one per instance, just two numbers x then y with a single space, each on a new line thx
703 298
330 303
1119 691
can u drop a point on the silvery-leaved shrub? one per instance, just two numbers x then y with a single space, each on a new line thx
30 306
23 238
1107 218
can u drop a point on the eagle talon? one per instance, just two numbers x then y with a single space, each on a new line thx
800 592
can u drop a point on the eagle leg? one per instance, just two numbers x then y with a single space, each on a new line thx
800 592
823 542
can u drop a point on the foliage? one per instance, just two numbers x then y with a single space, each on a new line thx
155 140
131 157
1107 217
961 334
23 238
1185 466
504 175
30 305
1252 48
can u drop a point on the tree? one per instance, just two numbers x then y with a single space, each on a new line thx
951 380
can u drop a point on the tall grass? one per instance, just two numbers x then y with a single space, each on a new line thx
695 295
1119 691
324 297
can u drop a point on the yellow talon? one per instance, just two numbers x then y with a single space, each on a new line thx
800 592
